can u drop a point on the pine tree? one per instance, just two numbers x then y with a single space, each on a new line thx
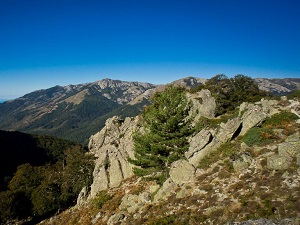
166 127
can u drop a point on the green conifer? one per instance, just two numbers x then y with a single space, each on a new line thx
164 139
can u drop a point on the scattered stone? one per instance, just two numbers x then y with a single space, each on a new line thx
132 203
278 162
95 220
165 191
116 218
240 165
184 191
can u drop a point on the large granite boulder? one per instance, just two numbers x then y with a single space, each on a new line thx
252 115
203 104
225 133
291 147
166 190
278 162
182 172
112 146
133 203
198 142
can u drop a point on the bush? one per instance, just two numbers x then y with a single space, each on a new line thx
280 120
101 198
258 136
228 149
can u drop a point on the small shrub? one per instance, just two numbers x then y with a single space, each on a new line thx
280 120
228 149
101 198
258 136
164 220
295 94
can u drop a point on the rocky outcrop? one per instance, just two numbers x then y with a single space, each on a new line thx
278 162
242 163
211 140
165 191
112 146
82 196
182 172
133 203
203 104
252 115
287 152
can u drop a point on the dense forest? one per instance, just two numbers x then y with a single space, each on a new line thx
40 175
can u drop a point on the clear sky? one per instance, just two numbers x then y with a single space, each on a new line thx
59 42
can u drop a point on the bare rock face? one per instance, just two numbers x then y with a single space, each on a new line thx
198 142
182 172
287 151
225 133
203 104
112 146
253 115
82 196
291 147
165 191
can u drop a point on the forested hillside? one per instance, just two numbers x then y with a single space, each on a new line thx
40 175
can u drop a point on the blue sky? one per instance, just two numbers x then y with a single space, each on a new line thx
59 42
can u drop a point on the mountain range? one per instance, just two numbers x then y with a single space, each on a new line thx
75 112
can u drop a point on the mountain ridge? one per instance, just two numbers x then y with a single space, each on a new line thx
77 111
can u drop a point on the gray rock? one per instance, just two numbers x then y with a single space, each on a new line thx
112 146
228 129
96 218
226 132
165 191
133 203
253 116
203 104
240 165
263 221
291 147
278 162
184 191
116 218
82 196
199 155
182 172
153 188
198 142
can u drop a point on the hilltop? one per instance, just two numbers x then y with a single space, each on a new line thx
241 167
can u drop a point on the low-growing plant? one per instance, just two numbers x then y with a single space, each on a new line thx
101 198
228 149
164 220
258 136
280 120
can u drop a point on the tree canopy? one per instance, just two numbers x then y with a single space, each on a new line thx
164 138
231 92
